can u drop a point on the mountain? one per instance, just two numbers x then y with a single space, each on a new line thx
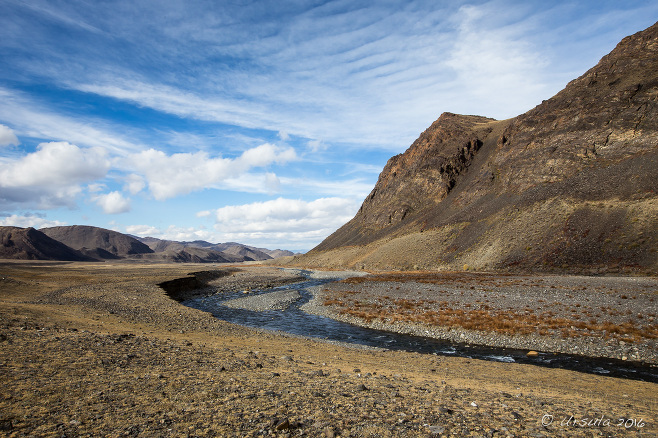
201 250
212 252
185 252
87 243
248 252
189 255
569 186
159 245
30 244
102 243
276 253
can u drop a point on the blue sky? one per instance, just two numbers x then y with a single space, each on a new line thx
261 122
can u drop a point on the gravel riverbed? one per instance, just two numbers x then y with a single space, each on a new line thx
279 300
591 316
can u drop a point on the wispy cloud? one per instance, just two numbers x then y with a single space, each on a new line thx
33 119
60 16
354 188
372 74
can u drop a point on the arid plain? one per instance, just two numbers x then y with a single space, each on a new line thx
94 349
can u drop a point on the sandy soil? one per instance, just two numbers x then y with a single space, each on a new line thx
100 350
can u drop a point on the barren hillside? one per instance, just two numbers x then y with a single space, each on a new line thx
30 244
99 241
569 186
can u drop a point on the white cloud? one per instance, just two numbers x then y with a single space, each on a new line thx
264 155
7 136
112 203
177 174
284 221
134 184
52 175
56 164
278 223
28 221
143 230
187 234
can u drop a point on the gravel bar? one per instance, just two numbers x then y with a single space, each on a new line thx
279 300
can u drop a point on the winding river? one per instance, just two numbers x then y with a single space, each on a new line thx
295 321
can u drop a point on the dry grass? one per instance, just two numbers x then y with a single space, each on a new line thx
483 317
471 279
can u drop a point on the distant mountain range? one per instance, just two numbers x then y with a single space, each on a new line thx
87 243
569 186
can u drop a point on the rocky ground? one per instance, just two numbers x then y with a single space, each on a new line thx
100 350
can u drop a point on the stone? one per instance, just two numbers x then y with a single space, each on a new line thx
517 416
437 430
282 425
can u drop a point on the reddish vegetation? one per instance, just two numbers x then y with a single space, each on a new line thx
447 306
483 319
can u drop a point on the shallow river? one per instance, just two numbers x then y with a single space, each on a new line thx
295 321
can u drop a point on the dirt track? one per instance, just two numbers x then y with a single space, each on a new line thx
100 350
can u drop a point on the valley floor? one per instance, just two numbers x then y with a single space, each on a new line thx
101 350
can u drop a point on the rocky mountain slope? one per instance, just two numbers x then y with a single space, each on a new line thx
569 186
31 244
